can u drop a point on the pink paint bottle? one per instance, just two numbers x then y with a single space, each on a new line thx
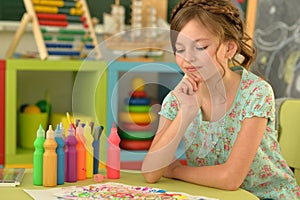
113 154
70 156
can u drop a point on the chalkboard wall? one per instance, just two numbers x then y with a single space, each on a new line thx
14 9
277 37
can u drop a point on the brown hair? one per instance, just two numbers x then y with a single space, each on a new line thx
221 17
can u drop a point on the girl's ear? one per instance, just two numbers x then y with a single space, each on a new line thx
231 49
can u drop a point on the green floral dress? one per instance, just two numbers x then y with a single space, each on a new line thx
210 143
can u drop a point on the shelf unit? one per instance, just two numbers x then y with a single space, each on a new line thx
89 88
162 76
2 111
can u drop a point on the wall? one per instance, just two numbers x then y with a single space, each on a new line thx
277 38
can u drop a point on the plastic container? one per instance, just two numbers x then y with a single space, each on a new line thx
28 123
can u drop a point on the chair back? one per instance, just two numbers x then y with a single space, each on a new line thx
289 133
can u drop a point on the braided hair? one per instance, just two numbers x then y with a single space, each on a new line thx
221 17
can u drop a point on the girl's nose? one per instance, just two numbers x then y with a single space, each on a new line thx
189 56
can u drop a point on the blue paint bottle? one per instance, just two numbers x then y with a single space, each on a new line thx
60 155
96 147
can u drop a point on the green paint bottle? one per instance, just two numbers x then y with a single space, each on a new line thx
38 156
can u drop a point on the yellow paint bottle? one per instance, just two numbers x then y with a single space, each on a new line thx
50 159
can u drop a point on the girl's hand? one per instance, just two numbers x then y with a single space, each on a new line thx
169 173
187 85
186 93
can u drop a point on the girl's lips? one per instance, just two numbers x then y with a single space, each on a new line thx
192 69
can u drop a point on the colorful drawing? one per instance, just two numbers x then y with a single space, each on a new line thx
119 191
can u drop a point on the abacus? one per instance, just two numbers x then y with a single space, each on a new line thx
43 14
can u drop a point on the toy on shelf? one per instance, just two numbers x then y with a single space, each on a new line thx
148 19
115 21
30 116
136 120
45 14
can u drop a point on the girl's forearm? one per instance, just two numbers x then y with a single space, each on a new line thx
163 148
216 176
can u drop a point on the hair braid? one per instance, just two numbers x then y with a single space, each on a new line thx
231 16
215 7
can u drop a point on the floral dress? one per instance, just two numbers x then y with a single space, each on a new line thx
210 143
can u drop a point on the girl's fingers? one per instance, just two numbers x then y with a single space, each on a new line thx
185 86
193 81
190 86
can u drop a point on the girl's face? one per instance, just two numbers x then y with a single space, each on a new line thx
196 51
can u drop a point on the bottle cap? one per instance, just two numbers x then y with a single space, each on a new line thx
80 132
40 132
50 132
113 136
91 124
58 131
71 130
62 129
88 134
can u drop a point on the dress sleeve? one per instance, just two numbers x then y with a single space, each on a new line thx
260 102
170 107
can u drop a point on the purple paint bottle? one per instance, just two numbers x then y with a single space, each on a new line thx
71 156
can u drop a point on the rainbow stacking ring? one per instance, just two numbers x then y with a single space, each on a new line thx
138 108
138 94
137 118
135 144
137 101
135 127
136 135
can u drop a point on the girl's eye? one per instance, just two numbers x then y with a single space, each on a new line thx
179 50
201 48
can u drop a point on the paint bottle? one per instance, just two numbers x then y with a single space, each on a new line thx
113 154
81 152
50 159
96 146
38 156
89 151
60 155
70 156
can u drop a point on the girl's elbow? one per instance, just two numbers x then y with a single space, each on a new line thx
150 178
231 185
231 181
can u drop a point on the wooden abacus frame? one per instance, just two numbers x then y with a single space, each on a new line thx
30 16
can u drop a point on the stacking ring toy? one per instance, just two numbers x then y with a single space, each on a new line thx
135 127
136 135
138 94
139 109
138 84
135 144
137 118
137 101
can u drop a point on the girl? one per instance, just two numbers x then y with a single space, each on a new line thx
225 115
